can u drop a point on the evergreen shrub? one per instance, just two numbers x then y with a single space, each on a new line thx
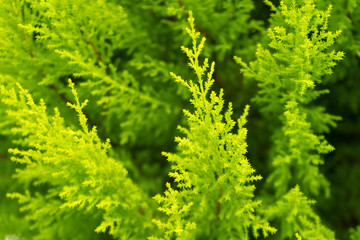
109 129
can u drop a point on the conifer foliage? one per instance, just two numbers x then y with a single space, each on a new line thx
76 166
214 178
297 59
107 133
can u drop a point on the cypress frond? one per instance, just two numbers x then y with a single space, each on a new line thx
74 163
287 72
215 196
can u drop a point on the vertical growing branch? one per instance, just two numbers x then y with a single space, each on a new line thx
298 56
214 178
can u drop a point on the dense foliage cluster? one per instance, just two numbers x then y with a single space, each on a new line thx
94 93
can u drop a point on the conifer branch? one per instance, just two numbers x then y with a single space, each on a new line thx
210 160
297 58
21 20
97 53
98 56
91 180
198 28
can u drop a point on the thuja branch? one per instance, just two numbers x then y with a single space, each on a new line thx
98 55
92 180
21 20
214 178
287 71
